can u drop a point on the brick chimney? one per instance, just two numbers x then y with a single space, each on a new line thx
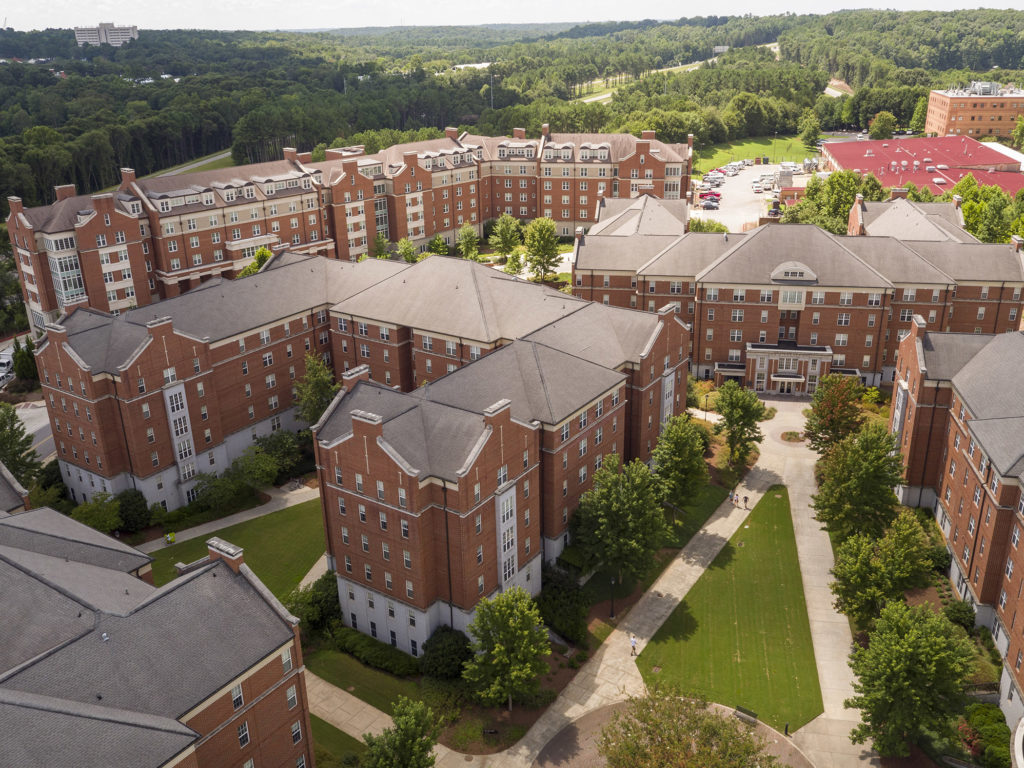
15 204
898 193
649 135
1017 240
305 157
351 376
221 550
855 221
689 140
127 177
643 146
545 130
451 133
518 133
64 191
290 153
411 159
957 200
579 235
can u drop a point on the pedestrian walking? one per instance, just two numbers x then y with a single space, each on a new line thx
745 499
632 644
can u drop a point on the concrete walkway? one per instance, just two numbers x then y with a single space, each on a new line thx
611 675
279 499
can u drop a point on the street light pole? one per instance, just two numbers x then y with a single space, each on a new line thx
612 612
706 396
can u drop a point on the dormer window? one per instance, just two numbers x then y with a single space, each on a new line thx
135 207
207 198
165 206
250 193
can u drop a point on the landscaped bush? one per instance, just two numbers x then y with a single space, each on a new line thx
447 698
563 606
135 513
316 606
572 559
372 652
987 736
540 697
940 558
960 613
445 653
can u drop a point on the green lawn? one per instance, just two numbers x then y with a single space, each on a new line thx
332 744
698 511
741 636
776 149
280 547
376 688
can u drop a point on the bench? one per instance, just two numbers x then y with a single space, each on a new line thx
746 715
490 731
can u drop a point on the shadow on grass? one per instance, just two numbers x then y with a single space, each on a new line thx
682 625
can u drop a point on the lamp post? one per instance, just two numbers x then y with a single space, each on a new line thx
611 613
706 396
775 148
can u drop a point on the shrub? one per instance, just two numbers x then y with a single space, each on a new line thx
578 659
940 558
372 652
444 654
991 744
960 613
446 698
135 514
538 698
562 605
316 606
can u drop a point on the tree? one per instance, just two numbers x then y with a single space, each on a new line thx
667 729
679 460
883 125
445 653
24 360
254 468
917 122
438 246
870 573
315 390
406 250
707 225
283 447
409 743
740 410
468 242
835 411
911 677
509 646
857 477
316 605
620 521
809 128
102 513
541 247
514 264
134 510
381 246
258 260
506 236
16 451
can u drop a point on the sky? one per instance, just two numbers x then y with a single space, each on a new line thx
332 14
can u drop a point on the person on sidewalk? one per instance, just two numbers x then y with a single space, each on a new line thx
632 644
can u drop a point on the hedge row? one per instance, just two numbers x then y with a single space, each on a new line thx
372 652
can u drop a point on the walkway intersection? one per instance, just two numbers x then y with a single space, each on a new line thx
611 675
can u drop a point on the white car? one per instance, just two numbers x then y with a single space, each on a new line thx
758 189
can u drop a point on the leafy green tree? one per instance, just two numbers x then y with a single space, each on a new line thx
809 128
315 390
468 242
445 653
620 521
741 411
666 728
707 225
917 122
514 264
315 605
541 243
283 447
679 460
835 411
883 125
102 513
134 510
258 260
507 235
871 188
24 360
855 493
16 451
910 678
254 468
438 246
509 646
870 573
406 250
381 247
1018 133
409 743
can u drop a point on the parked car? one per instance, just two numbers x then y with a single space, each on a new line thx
710 204
757 188
712 194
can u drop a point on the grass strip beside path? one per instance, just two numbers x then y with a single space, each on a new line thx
741 637
332 745
376 688
280 547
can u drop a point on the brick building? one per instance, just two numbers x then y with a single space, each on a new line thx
980 109
437 497
158 237
957 412
780 306
100 668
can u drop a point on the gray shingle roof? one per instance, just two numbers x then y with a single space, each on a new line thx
459 298
945 354
12 494
644 215
1001 439
544 384
61 215
220 627
607 336
896 260
985 262
990 382
691 254
45 731
908 220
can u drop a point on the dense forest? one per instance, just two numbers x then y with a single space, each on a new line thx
175 95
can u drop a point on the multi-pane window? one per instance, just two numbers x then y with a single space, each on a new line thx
236 696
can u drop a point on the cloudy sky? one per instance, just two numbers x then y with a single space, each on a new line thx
308 14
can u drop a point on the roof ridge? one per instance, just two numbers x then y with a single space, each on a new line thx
478 288
7 519
543 379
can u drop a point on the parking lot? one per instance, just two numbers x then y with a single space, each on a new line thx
740 205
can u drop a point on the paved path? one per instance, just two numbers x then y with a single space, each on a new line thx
196 164
611 676
279 499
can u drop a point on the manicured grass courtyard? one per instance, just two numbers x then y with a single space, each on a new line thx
741 637
280 547
376 688
332 744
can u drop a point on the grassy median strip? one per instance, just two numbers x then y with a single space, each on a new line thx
741 637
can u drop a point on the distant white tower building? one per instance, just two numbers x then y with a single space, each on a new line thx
105 33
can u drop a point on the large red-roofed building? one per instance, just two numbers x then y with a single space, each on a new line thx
935 163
